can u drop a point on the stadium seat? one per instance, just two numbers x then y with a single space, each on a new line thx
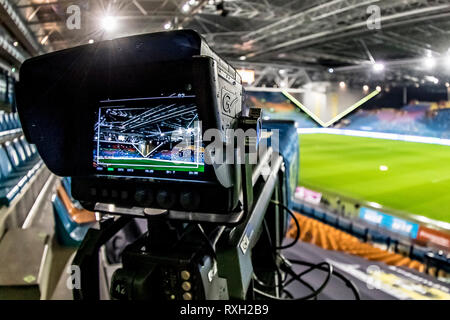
3 126
68 232
11 182
330 238
80 216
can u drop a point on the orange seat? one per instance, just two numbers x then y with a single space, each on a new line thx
80 216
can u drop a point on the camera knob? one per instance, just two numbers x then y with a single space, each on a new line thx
189 200
165 199
143 197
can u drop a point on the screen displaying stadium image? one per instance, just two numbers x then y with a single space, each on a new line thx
149 137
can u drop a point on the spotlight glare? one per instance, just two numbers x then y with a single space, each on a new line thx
185 7
384 168
109 23
429 62
167 26
378 67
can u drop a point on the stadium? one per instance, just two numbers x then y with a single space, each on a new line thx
104 107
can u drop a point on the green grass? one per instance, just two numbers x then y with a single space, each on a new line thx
156 165
417 181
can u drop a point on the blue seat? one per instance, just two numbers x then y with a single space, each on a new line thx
68 232
17 120
67 185
8 121
26 147
10 182
3 126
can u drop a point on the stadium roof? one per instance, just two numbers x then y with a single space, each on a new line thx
287 42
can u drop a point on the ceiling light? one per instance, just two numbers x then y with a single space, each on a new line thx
366 88
91 41
331 70
378 88
432 79
447 84
109 23
168 25
242 58
342 85
15 43
429 62
185 7
378 67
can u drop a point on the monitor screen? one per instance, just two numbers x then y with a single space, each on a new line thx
150 137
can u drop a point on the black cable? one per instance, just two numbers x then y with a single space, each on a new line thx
211 246
347 281
288 293
278 271
297 236
318 290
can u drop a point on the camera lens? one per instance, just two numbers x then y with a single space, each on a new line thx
143 197
165 199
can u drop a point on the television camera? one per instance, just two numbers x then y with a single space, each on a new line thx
129 120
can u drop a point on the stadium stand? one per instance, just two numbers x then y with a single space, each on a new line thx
328 230
18 160
419 120
330 238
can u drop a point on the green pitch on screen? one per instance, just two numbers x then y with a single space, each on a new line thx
406 176
155 165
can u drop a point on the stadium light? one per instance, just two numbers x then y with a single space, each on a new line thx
342 85
432 79
185 8
378 67
429 62
109 23
168 25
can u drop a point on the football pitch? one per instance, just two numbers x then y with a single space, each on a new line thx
152 164
406 176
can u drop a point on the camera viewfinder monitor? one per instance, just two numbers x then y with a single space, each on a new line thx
125 119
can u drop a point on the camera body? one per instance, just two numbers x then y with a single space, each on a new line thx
125 119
